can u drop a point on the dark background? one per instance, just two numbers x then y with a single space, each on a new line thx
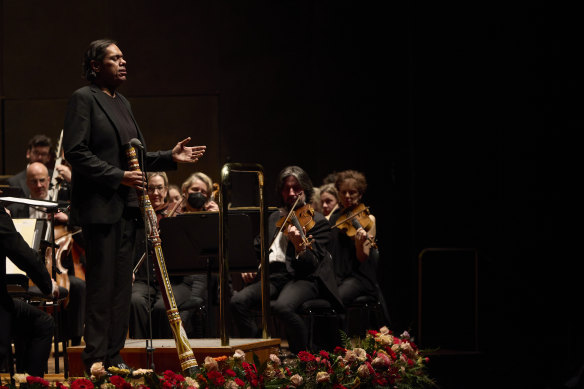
460 114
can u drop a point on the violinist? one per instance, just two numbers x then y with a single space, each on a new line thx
37 182
354 238
315 200
300 266
190 288
174 196
198 189
329 199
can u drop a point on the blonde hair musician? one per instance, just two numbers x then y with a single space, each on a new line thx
197 190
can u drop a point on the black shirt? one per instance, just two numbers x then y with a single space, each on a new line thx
127 130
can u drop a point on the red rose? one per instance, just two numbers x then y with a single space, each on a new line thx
82 383
230 372
239 382
117 381
37 380
324 354
305 356
216 378
339 350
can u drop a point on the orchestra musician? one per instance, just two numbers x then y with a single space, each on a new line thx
146 295
329 199
356 274
37 182
315 200
174 196
297 271
26 324
99 124
197 189
39 149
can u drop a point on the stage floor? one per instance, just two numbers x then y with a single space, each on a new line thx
166 358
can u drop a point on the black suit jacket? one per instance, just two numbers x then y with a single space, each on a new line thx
13 246
93 147
19 211
316 262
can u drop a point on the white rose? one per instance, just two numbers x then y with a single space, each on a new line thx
296 380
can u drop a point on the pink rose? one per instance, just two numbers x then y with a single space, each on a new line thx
211 364
363 371
239 354
275 360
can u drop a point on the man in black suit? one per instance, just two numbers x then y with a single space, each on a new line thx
104 198
297 273
27 324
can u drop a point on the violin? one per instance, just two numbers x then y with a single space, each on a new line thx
300 218
353 219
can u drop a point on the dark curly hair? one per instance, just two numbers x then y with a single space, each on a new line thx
360 181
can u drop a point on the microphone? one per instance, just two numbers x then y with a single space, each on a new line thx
136 143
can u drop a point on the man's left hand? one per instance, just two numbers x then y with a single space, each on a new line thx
183 153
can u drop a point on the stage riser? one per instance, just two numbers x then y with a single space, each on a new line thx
166 358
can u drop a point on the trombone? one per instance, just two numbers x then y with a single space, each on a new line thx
224 200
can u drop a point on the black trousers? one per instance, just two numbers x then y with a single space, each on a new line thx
32 330
286 296
142 294
73 317
109 251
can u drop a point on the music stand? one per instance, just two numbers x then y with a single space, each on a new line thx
190 243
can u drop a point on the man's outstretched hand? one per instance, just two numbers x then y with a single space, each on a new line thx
183 153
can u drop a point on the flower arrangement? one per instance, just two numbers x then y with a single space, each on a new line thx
380 360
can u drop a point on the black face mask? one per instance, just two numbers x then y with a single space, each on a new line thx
197 200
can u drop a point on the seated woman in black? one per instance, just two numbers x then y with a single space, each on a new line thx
355 272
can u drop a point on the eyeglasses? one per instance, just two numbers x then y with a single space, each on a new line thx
152 189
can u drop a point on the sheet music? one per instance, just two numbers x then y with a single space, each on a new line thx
26 228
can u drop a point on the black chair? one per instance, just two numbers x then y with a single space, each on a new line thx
367 312
328 335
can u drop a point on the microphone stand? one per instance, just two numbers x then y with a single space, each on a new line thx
149 342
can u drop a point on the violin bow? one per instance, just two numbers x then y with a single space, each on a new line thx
284 223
